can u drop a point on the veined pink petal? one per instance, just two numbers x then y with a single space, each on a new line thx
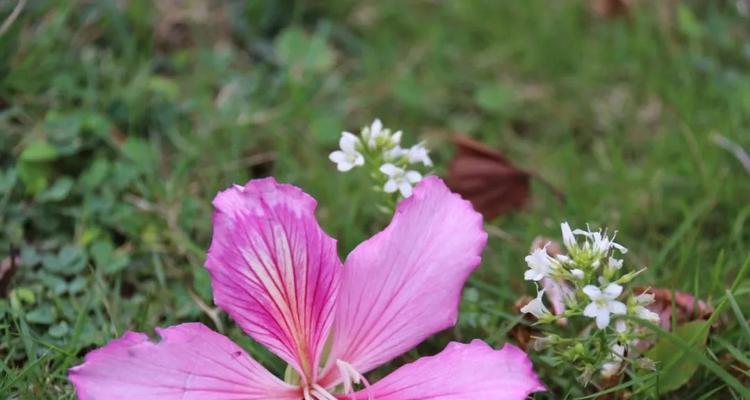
404 283
191 362
274 270
461 371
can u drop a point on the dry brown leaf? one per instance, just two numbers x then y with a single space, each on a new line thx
610 8
487 178
8 267
522 333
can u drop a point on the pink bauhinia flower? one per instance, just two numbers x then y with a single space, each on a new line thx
278 276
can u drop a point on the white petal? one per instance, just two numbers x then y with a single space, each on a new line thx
390 186
394 153
348 142
533 275
612 291
337 156
568 238
536 307
602 319
413 176
344 166
581 232
376 127
577 273
390 169
359 160
592 291
405 188
644 298
396 138
648 315
617 307
592 310
619 247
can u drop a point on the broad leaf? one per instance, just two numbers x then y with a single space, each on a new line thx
675 366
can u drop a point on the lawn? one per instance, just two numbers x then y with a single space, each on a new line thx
120 121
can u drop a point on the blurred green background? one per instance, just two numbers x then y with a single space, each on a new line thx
120 120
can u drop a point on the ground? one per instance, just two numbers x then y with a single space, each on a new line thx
120 120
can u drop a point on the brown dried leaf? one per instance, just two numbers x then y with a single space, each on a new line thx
487 178
8 267
522 333
610 8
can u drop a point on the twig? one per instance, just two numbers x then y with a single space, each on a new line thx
733 148
212 313
12 17
501 234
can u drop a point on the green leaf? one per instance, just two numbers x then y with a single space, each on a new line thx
25 295
59 329
44 314
106 258
35 176
77 285
38 151
70 260
302 52
675 366
94 175
58 191
54 283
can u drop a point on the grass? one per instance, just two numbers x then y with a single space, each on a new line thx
119 124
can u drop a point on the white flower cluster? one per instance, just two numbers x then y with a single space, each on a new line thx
589 282
379 147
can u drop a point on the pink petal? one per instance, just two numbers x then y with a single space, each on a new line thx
274 270
191 362
461 371
404 284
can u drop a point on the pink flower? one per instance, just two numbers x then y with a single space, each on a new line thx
279 277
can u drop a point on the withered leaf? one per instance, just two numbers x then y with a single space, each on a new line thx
610 8
487 178
7 269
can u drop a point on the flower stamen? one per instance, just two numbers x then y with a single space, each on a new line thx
350 376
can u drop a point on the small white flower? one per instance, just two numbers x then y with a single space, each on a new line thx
536 307
419 153
642 312
612 366
577 273
372 133
540 265
603 303
394 154
399 179
376 136
614 263
600 243
644 299
348 157
569 240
